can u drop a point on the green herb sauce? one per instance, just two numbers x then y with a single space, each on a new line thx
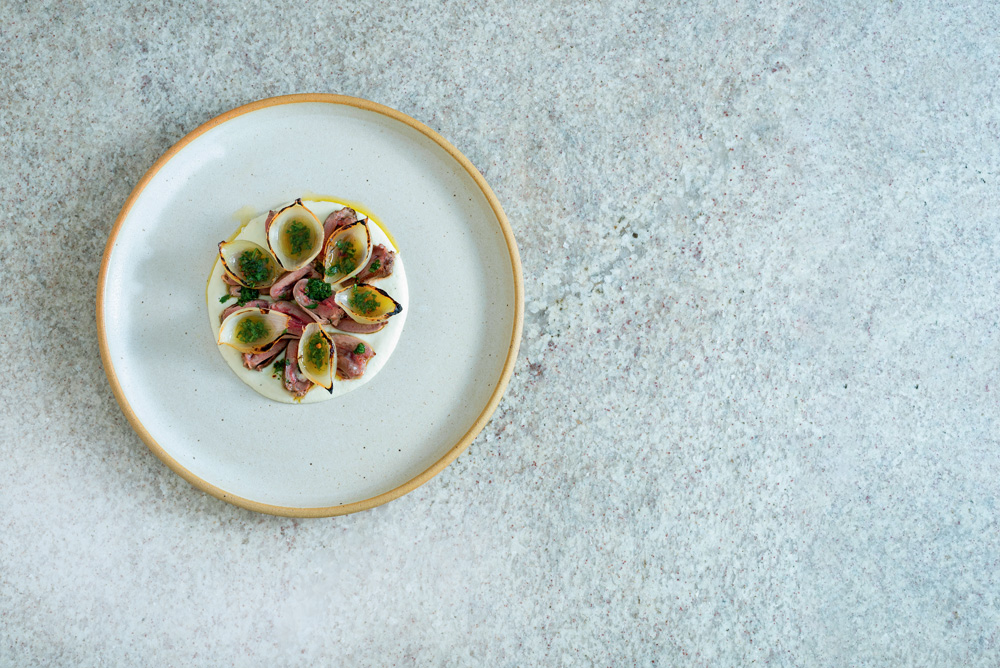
299 238
250 330
317 351
256 268
363 301
346 259
318 290
247 294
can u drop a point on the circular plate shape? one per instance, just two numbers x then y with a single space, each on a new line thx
435 394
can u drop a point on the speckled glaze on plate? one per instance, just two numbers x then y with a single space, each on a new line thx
446 376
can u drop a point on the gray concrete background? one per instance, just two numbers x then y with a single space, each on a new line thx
755 415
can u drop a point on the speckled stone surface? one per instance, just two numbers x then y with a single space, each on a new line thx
755 416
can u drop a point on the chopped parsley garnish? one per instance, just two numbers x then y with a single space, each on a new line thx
225 298
299 238
318 290
316 352
374 266
255 267
279 368
360 349
247 294
364 301
250 330
347 261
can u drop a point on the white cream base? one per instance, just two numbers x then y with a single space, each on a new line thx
383 342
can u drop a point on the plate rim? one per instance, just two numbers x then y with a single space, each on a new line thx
453 452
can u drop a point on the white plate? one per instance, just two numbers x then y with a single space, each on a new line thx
379 442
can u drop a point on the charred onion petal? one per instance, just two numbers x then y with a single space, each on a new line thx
294 236
248 264
347 252
367 304
317 356
253 330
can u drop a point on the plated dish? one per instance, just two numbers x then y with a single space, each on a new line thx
463 316
345 296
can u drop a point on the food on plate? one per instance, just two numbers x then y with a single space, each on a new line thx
367 304
317 356
298 296
248 264
294 236
347 252
255 329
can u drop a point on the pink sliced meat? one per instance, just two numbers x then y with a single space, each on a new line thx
347 325
351 364
326 311
256 362
255 303
337 220
267 222
282 288
293 379
295 327
382 259
300 296
294 310
385 260
330 311
229 280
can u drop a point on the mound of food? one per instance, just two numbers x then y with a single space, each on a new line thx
309 301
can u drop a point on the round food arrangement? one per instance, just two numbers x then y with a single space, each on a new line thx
308 301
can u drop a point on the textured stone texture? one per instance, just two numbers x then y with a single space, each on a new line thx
755 415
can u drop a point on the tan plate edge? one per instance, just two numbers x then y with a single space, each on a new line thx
439 465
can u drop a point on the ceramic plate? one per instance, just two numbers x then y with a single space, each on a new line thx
368 447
